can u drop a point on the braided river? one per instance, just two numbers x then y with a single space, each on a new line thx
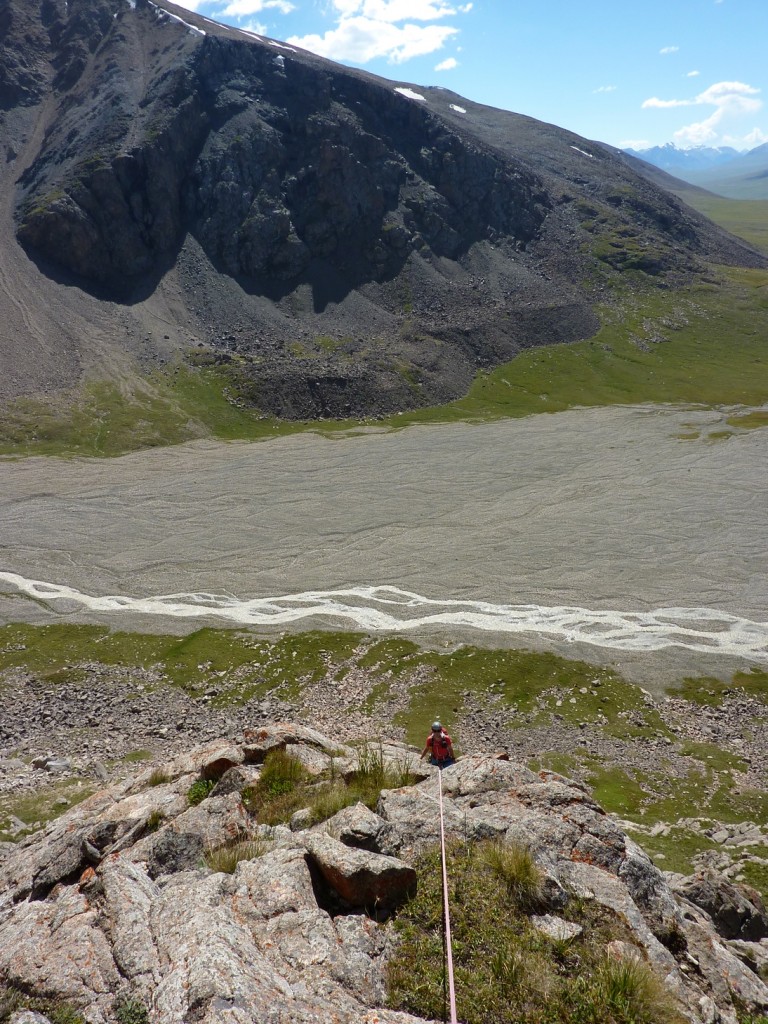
634 536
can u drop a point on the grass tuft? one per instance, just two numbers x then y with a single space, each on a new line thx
131 1011
285 787
13 1001
226 858
515 867
279 791
159 777
155 820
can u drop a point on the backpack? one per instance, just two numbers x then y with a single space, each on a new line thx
442 742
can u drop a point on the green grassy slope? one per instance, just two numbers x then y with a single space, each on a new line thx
705 344
747 218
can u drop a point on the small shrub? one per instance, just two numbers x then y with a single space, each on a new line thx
159 777
131 1011
516 868
226 858
155 820
199 790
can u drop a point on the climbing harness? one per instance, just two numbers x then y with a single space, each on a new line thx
448 951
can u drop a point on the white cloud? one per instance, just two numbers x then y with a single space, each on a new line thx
693 74
605 88
655 102
242 8
395 10
732 101
362 39
394 29
669 49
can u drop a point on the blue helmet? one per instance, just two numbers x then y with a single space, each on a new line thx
437 727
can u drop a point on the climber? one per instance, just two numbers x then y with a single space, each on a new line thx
439 747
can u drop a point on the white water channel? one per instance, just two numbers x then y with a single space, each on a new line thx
389 609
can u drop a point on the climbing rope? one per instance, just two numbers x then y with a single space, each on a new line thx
446 913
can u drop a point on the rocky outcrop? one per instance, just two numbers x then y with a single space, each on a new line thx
121 899
737 911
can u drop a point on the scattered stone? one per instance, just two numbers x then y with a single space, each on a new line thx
556 927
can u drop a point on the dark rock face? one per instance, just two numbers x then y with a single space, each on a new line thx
271 170
737 912
433 238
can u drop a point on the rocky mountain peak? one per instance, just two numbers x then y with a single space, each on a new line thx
171 895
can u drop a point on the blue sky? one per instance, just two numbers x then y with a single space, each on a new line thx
691 72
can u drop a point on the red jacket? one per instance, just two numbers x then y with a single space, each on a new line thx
440 744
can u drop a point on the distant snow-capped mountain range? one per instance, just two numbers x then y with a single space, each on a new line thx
669 158
720 169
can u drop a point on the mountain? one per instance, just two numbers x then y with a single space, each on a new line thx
169 898
722 170
172 189
746 177
680 161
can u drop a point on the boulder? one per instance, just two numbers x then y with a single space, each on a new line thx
481 774
753 954
312 760
257 743
236 779
174 851
414 818
737 911
356 826
359 878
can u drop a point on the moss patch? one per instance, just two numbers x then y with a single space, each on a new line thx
711 691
